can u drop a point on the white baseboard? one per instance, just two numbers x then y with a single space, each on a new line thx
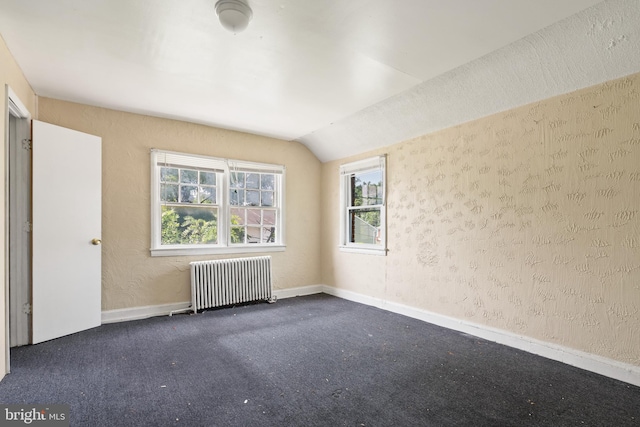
587 361
137 313
297 292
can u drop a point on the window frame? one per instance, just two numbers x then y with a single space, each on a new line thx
223 169
347 170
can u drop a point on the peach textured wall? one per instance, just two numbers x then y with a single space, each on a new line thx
131 277
10 74
526 221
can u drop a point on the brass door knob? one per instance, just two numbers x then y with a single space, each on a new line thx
96 241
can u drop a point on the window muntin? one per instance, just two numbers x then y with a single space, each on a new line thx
363 204
214 205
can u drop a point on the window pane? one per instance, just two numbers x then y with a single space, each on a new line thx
188 176
356 191
253 234
237 216
208 195
268 235
188 193
237 235
366 188
269 217
237 179
254 216
364 226
267 198
253 198
253 180
189 225
236 197
169 193
371 194
169 174
207 178
267 182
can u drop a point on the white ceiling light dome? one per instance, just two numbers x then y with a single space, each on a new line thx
234 15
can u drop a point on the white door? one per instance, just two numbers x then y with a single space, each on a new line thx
67 194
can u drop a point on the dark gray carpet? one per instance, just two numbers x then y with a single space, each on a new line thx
307 361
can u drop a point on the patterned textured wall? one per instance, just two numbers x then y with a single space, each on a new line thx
527 221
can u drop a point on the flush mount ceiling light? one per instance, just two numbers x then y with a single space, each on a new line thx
234 15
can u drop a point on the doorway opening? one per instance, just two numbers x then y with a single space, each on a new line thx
18 224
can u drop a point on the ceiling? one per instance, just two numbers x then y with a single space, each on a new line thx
340 76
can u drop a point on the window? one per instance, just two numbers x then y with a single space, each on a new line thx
253 212
363 224
203 205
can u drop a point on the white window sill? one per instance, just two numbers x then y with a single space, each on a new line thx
368 250
236 249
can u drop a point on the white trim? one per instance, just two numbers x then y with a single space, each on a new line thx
213 163
587 361
282 220
145 312
137 313
7 332
235 249
369 250
298 292
14 106
361 165
254 167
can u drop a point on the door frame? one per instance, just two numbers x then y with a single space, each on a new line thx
13 107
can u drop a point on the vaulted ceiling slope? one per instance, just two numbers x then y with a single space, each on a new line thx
342 77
